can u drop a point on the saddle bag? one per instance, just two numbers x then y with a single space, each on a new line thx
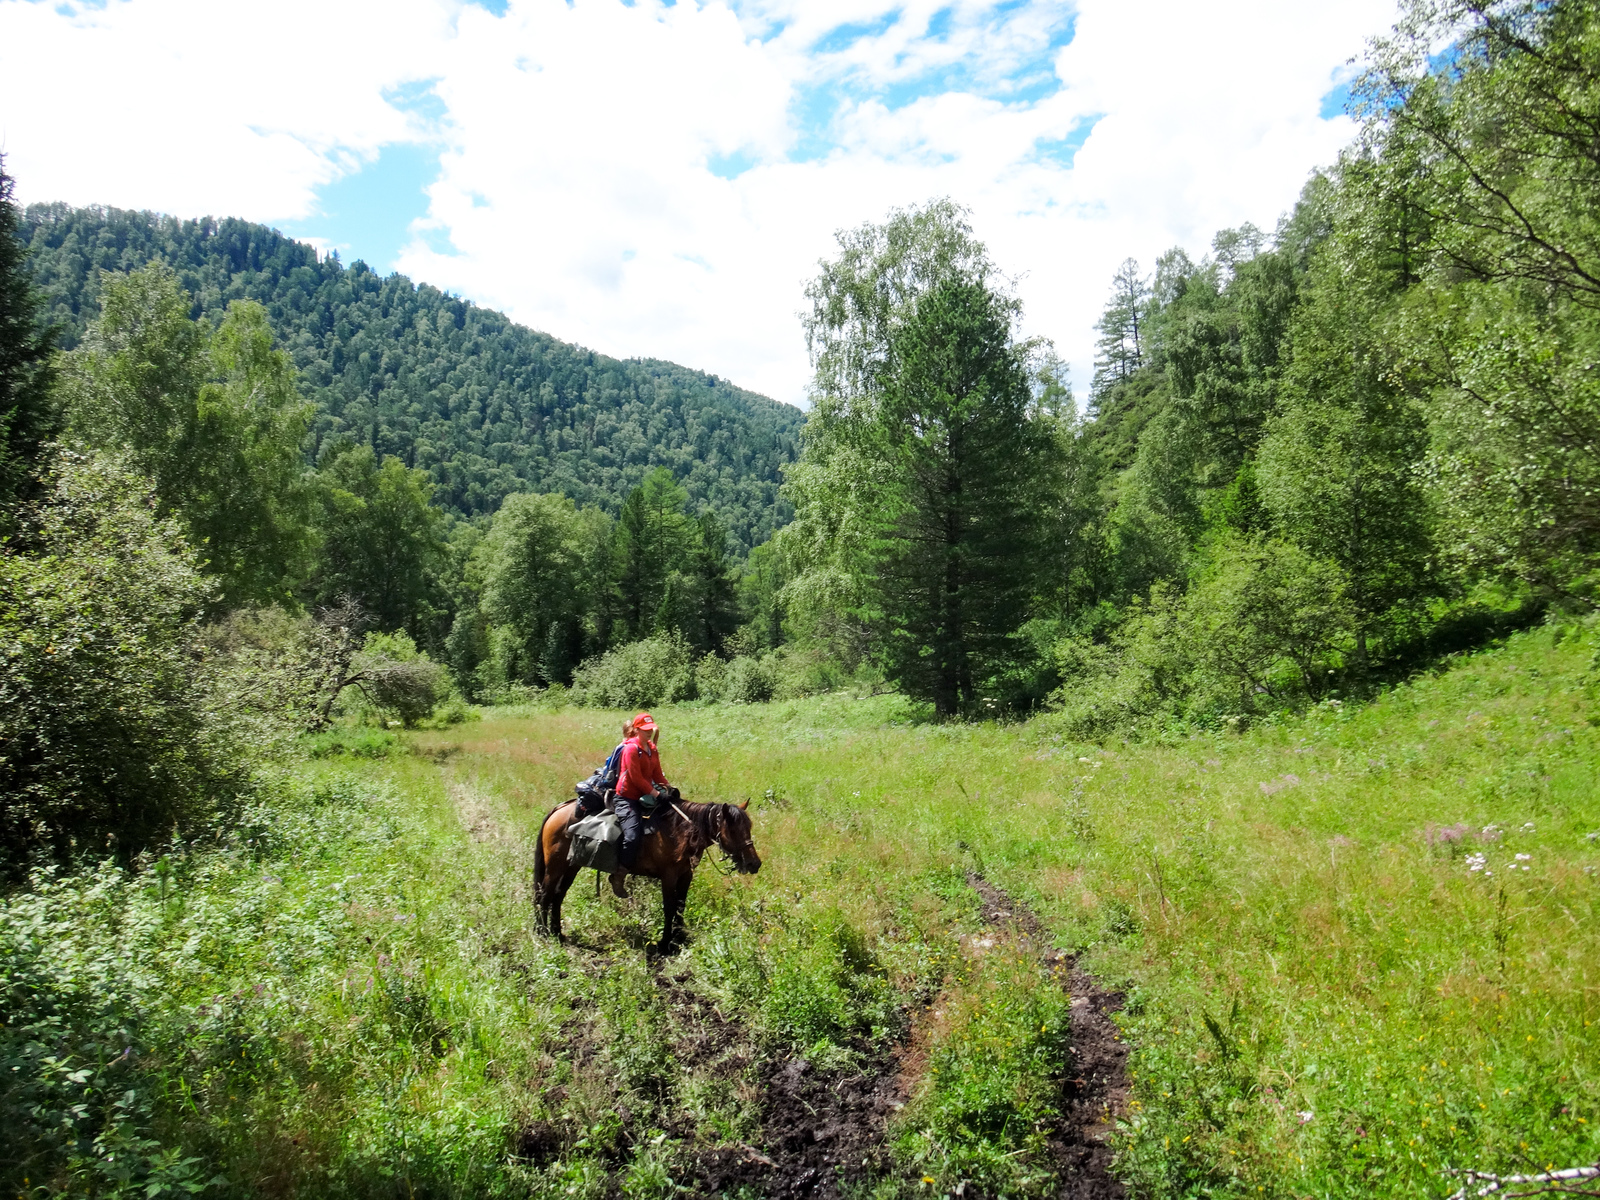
595 842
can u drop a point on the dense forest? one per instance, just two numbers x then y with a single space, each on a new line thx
1311 460
484 406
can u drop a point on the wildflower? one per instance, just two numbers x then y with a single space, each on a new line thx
1082 759
1527 827
1524 857
1305 1116
1475 862
1594 837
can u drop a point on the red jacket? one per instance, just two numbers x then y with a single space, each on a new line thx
641 769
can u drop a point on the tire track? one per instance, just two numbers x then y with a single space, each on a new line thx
1096 1086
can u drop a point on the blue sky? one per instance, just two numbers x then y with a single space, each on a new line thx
660 179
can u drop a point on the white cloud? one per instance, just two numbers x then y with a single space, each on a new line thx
577 188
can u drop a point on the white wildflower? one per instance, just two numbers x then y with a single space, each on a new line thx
1524 857
1305 1116
1528 828
1475 862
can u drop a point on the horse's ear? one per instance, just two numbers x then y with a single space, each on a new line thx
744 804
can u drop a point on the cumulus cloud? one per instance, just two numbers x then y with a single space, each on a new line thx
659 180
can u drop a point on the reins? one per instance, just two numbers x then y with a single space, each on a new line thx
711 841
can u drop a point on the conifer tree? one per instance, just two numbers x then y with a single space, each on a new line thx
1121 348
28 414
927 451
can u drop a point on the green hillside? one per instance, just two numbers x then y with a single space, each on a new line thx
486 406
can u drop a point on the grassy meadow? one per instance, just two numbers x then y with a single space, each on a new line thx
1357 947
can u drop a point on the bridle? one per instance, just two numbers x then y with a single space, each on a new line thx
716 840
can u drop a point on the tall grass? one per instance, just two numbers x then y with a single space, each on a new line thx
1325 996
344 994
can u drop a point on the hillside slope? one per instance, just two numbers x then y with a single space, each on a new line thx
487 406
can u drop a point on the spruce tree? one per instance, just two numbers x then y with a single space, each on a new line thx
929 457
28 414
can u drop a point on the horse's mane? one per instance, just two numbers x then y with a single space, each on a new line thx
699 818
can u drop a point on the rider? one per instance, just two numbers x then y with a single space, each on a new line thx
639 787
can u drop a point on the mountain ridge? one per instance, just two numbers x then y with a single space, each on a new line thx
488 407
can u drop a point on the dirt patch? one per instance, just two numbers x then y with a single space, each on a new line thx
822 1133
1096 1087
476 813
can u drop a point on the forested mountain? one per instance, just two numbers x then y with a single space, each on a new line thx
485 406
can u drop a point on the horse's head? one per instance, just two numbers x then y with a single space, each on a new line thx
734 836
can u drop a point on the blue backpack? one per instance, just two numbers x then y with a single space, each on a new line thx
592 791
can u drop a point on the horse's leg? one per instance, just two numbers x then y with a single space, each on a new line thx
674 895
563 885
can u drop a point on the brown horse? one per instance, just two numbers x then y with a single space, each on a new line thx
683 832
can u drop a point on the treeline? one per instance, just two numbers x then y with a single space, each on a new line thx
1309 461
485 407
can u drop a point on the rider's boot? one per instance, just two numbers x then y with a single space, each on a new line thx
619 883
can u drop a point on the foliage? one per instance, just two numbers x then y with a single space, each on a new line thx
484 407
647 672
29 416
214 420
1263 628
926 459
1489 155
1337 467
544 573
1123 329
396 679
381 545
106 734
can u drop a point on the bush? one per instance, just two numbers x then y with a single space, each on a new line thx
653 671
711 677
107 732
751 681
398 680
357 741
1262 629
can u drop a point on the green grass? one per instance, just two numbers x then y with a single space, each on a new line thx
1324 998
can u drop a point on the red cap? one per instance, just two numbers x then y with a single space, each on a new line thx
644 721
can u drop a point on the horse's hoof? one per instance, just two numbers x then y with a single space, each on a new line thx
619 885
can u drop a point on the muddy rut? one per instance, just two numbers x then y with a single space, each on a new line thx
823 1131
1095 1077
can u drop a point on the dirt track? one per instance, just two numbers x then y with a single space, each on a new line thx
822 1129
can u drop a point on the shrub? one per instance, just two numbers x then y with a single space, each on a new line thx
1262 629
711 677
398 680
358 742
655 670
751 681
106 733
